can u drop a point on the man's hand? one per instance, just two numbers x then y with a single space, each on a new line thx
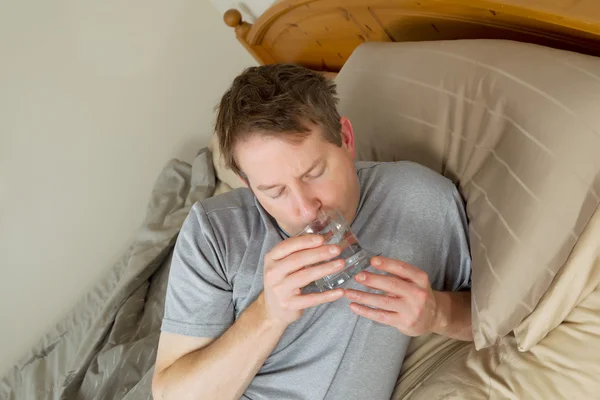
409 303
285 275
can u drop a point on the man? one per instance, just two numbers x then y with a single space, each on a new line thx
237 323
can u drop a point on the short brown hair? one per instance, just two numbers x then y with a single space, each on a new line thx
276 100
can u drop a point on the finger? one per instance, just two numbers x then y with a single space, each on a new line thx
382 316
380 301
294 244
314 299
304 258
388 283
308 275
279 270
401 269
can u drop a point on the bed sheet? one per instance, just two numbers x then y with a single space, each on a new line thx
105 348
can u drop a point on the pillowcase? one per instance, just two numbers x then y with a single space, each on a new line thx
578 278
517 127
223 173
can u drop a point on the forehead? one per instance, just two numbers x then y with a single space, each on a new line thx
266 159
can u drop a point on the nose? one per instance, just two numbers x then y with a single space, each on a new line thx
307 205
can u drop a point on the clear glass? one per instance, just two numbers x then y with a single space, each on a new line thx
333 227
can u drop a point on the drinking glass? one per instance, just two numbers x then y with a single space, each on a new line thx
333 227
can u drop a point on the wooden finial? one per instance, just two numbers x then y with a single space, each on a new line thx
233 18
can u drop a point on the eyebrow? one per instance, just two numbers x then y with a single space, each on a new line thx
313 166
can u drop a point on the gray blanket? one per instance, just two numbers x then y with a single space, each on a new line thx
105 347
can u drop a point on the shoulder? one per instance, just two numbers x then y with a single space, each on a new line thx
237 200
407 187
228 218
404 176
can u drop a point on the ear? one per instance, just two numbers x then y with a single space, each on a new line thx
348 137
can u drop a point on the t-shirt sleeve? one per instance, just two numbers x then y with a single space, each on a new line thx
458 260
199 298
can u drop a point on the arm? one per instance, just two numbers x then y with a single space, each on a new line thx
453 316
223 368
199 373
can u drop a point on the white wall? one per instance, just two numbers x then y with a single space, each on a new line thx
95 97
250 9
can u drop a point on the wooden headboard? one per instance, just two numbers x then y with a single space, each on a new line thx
321 34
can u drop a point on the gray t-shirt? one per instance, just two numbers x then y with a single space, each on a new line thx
405 211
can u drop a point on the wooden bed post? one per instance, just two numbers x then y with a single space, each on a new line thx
233 18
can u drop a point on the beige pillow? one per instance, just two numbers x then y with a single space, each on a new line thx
223 173
517 126
577 278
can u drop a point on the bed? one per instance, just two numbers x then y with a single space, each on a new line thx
502 97
436 82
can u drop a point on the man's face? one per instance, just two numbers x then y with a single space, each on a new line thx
292 180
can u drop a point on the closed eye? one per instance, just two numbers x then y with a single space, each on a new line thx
279 194
316 175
